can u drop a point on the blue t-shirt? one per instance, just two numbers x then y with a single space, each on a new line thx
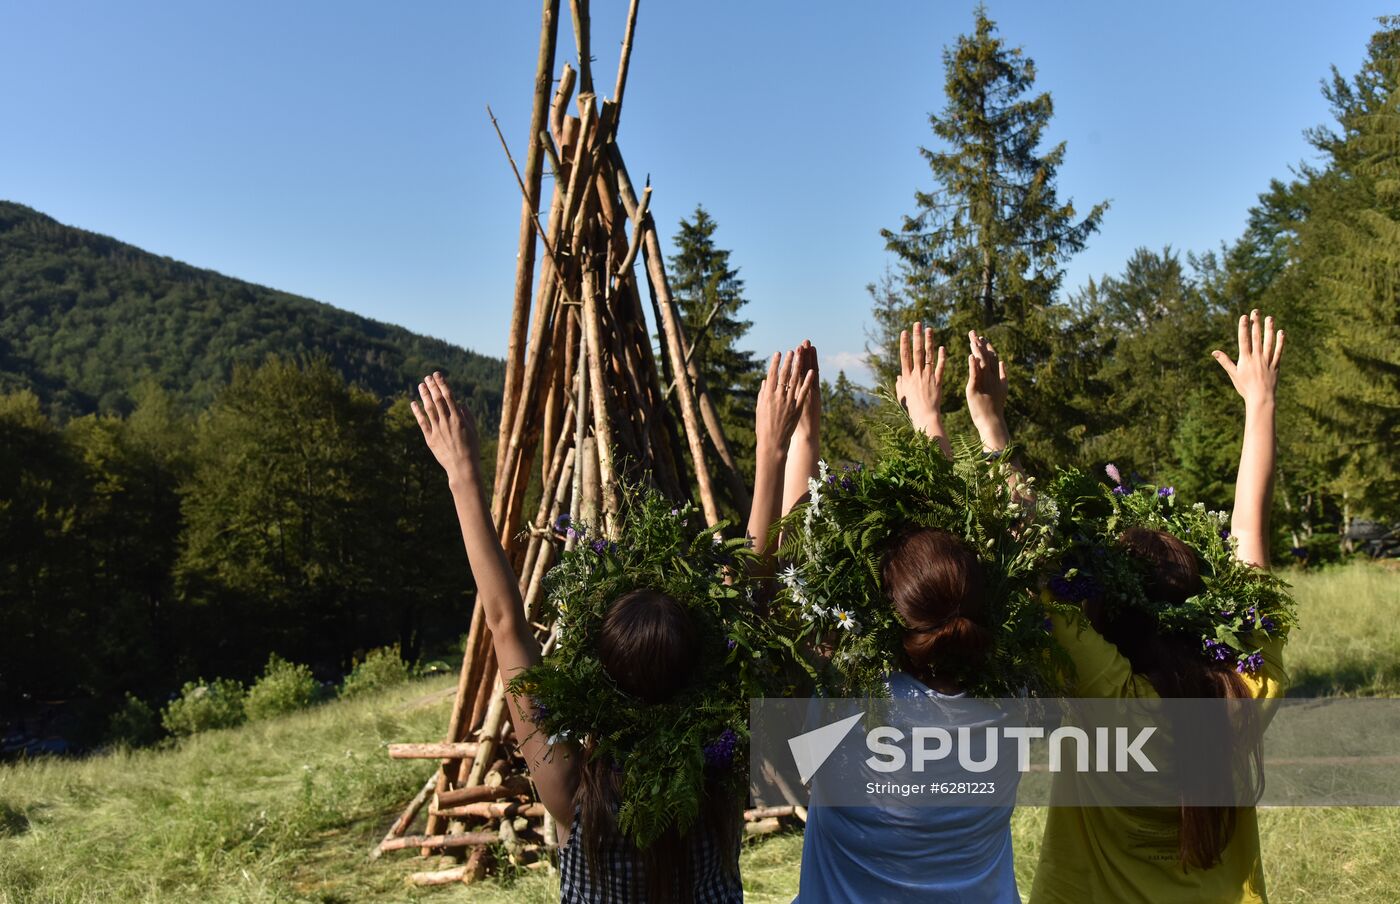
913 853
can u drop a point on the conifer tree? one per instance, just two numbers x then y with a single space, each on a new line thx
845 423
986 246
710 295
1357 395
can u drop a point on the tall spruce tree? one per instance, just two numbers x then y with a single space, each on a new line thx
710 295
1356 397
1318 253
986 246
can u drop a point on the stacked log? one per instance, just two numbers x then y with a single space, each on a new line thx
586 407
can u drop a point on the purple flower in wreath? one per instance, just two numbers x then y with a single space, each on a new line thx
1250 664
1216 651
719 753
1073 589
1166 492
1113 474
1120 490
601 546
730 643
847 483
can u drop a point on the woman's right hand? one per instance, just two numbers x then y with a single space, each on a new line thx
919 385
447 427
987 388
1255 374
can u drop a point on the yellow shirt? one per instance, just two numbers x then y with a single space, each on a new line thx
1125 855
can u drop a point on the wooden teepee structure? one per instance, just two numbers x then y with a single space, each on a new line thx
588 400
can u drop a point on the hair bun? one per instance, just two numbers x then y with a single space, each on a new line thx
955 647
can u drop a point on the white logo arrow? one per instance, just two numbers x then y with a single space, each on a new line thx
810 750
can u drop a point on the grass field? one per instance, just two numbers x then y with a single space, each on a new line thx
286 810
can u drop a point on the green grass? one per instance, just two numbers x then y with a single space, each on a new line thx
1349 639
286 810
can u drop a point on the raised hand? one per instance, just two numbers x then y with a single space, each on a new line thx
781 398
451 435
1255 374
987 387
919 385
809 424
447 426
804 449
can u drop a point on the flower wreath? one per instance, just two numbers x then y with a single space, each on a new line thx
665 751
1239 606
831 593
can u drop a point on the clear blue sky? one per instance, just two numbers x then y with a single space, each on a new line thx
341 150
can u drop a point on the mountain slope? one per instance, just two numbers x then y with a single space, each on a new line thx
86 320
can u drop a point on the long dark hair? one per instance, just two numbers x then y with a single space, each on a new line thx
648 647
934 581
1175 667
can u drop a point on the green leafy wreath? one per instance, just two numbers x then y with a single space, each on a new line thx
831 593
1239 606
664 751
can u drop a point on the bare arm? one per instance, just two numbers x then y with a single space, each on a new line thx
451 435
804 450
780 402
1255 376
987 388
919 385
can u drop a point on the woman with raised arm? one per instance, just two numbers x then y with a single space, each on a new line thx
1169 634
932 584
651 650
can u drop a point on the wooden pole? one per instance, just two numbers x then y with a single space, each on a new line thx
494 810
560 108
579 8
670 324
512 787
602 416
438 877
407 816
525 250
626 53
431 751
466 839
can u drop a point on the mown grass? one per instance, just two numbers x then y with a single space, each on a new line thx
286 810
1349 639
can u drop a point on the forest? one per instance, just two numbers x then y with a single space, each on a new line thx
196 472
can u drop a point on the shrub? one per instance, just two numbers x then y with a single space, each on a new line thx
133 723
380 668
204 705
283 687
